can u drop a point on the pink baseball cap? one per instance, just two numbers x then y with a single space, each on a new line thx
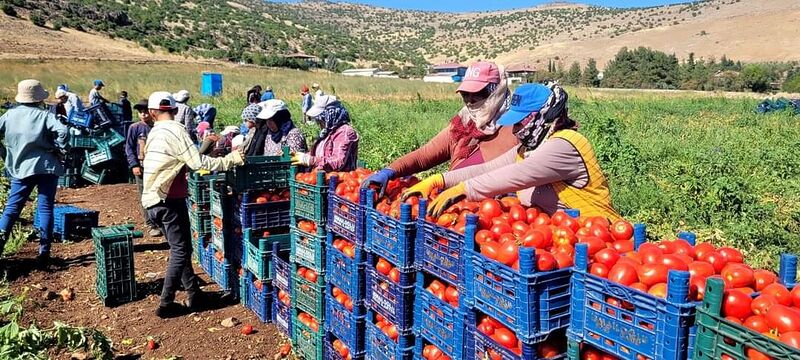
479 75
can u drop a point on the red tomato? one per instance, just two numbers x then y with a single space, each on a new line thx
651 274
796 296
520 228
674 262
451 294
601 232
638 286
756 323
650 253
505 337
564 260
597 220
394 275
483 236
594 243
508 253
682 247
531 214
563 236
791 338
700 250
571 223
383 266
762 304
738 275
701 268
623 246
783 296
607 257
490 208
623 273
536 239
486 329
545 261
764 278
737 304
731 255
783 318
517 213
490 250
548 350
658 290
558 217
715 259
599 269
621 230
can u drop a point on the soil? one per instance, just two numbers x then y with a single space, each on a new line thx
194 336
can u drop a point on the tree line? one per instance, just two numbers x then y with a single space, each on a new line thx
644 68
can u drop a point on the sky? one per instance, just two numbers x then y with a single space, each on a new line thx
486 5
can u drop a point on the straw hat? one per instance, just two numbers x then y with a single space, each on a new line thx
30 91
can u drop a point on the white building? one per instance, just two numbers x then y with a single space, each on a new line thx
361 72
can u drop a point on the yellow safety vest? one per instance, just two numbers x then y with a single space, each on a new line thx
594 199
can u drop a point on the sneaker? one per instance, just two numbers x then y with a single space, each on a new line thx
155 232
170 310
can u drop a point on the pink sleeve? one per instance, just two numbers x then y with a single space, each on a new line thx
454 177
342 142
555 160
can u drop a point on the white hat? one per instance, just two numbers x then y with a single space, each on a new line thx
237 141
269 108
30 91
315 86
230 129
181 96
320 104
60 92
161 100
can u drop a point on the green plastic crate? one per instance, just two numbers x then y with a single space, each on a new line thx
113 251
82 141
308 296
309 202
221 203
200 221
308 249
108 138
261 173
257 252
717 336
306 343
92 175
102 155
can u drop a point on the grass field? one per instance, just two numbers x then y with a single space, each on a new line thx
675 161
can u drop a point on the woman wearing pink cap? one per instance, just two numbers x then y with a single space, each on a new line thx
472 137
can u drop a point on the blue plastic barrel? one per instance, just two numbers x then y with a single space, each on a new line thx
211 84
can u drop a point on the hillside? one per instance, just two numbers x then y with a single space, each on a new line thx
253 30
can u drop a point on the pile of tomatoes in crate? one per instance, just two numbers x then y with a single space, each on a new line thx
264 197
284 297
308 274
307 226
344 246
342 298
507 339
386 268
308 321
386 327
444 292
341 348
431 352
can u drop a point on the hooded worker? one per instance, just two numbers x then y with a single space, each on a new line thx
336 148
554 166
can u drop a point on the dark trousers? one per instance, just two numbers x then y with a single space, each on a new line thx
172 216
140 186
18 195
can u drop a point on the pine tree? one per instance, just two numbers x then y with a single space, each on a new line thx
574 74
589 76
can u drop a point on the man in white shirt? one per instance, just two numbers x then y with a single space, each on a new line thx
169 152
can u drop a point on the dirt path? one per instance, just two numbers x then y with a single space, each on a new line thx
196 336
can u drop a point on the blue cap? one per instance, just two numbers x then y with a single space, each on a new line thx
526 99
99 82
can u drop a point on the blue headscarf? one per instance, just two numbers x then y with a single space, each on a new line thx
285 124
334 116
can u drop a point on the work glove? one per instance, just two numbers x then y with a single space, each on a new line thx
303 159
380 178
447 199
424 188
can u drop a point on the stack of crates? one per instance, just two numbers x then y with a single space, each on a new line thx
261 207
638 325
345 311
391 278
96 153
440 258
307 257
222 255
199 204
534 305
71 222
113 251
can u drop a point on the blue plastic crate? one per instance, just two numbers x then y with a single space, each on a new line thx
331 354
455 352
71 222
346 273
263 216
281 268
259 301
308 249
532 304
649 326
225 275
257 250
391 238
379 346
395 301
281 315
228 240
345 217
79 118
440 251
530 351
245 278
207 261
442 324
347 326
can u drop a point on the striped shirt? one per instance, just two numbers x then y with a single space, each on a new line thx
168 150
